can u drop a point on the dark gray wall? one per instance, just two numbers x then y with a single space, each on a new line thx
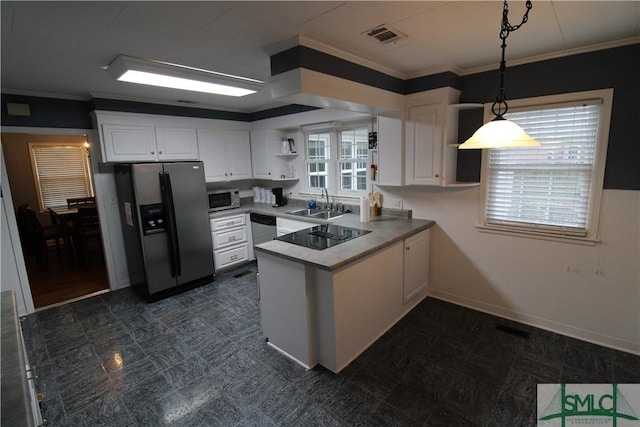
616 68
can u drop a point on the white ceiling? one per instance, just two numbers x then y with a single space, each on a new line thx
60 48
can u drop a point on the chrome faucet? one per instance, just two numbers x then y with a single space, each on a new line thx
326 193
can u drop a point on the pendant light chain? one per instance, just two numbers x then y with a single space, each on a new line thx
500 107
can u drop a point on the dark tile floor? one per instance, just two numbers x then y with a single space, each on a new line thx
200 359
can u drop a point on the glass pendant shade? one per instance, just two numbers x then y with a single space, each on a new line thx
499 133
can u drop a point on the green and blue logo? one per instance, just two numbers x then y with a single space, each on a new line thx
588 404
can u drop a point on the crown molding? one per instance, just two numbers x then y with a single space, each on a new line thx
554 55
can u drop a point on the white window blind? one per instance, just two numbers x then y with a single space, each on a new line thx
337 158
61 171
354 144
549 187
318 156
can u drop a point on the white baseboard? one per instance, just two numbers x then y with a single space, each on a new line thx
538 322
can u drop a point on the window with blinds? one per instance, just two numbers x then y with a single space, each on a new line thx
551 189
61 171
337 158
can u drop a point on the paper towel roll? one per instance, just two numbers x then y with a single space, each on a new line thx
364 209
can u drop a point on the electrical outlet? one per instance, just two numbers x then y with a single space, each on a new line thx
398 204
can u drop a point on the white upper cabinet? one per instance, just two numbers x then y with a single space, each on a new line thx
143 138
128 143
211 147
424 145
226 154
269 158
175 143
390 151
431 132
262 153
238 149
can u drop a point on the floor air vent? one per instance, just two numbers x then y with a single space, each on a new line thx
513 331
384 34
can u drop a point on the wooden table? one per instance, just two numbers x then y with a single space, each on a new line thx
66 217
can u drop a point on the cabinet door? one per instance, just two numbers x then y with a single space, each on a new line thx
261 154
424 145
238 153
390 152
128 143
416 265
211 146
176 143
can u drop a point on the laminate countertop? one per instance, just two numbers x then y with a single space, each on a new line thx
385 231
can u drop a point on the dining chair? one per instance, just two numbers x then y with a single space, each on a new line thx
33 235
80 201
87 230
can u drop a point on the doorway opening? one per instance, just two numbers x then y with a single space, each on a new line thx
61 242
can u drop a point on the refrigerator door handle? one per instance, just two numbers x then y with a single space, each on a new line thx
172 234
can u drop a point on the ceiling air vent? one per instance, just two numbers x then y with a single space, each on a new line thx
385 34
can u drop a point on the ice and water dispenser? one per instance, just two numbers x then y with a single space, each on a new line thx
153 218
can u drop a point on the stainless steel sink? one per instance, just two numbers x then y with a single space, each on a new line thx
304 212
327 214
316 213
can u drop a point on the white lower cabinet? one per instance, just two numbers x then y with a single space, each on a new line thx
231 237
416 265
316 316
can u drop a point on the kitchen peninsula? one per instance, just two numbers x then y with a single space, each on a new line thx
327 306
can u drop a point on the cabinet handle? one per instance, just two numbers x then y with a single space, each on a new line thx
408 248
234 257
232 238
153 152
437 175
159 152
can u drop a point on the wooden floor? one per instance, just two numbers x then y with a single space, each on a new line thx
58 277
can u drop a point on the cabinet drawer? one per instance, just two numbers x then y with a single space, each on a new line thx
227 222
223 238
230 256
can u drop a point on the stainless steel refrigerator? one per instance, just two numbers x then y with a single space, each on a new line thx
165 221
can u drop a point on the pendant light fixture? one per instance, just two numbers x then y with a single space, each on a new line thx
500 132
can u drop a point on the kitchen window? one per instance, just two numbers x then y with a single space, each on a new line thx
337 159
555 189
60 171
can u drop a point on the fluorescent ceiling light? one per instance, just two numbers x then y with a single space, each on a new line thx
164 74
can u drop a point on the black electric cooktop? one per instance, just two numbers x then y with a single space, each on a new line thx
322 236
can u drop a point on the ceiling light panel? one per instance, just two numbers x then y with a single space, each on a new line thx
163 74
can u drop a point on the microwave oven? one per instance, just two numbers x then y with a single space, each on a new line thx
223 199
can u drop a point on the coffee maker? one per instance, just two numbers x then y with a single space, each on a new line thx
279 199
